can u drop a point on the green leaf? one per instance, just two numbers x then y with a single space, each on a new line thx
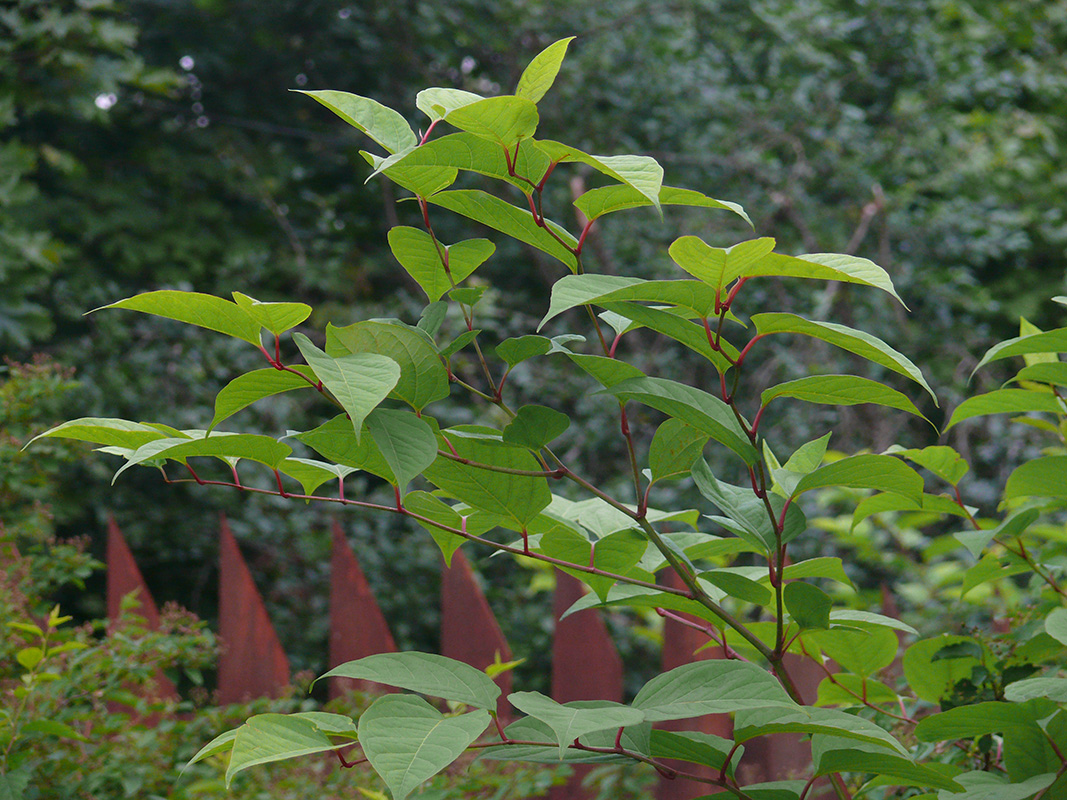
103 431
850 617
886 765
408 741
265 738
943 461
438 103
420 180
643 174
695 747
844 689
674 448
617 552
415 251
608 372
571 291
748 511
710 687
691 334
863 651
359 381
808 605
1056 625
701 410
825 267
249 446
854 341
865 471
471 153
312 474
840 390
540 74
51 727
434 508
517 497
718 267
931 678
535 426
634 738
1053 373
929 504
29 657
520 348
1006 401
753 722
504 120
407 443
808 456
571 720
203 310
1051 342
737 585
604 200
244 390
220 744
425 673
382 124
1042 477
1055 689
275 317
977 719
987 786
1014 525
510 220
773 790
336 441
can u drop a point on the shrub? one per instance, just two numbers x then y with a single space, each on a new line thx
512 481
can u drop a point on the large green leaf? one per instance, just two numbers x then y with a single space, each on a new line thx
1042 477
423 378
103 431
604 200
1054 373
382 124
407 442
535 426
863 651
696 748
930 674
521 348
510 220
265 738
471 153
249 446
990 786
693 335
701 410
540 74
943 461
244 390
359 381
275 317
825 267
634 738
425 673
840 390
505 119
716 266
929 503
415 251
420 180
643 174
1054 689
754 721
978 719
865 471
1006 401
335 441
575 290
517 497
1051 342
674 448
855 341
808 605
203 310
906 771
570 720
408 741
710 687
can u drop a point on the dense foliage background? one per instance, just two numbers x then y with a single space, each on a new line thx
152 144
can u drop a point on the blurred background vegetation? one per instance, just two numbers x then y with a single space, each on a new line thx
153 144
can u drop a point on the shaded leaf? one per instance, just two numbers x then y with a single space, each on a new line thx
406 442
709 687
568 721
535 426
808 605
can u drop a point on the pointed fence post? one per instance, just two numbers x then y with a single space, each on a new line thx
252 663
585 665
680 643
357 627
124 577
469 631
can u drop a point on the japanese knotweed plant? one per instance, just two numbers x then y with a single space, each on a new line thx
504 487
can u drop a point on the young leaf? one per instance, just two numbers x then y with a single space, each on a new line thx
275 317
862 344
407 442
359 382
244 390
408 741
643 174
709 687
415 251
571 720
504 120
379 122
1006 401
539 75
193 308
425 673
716 266
808 605
535 426
840 390
604 200
515 222
437 103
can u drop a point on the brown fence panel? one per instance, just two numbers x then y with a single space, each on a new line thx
252 662
357 627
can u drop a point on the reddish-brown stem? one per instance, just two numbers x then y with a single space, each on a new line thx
756 420
733 292
236 477
429 130
747 347
349 764
281 488
544 178
197 478
581 239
